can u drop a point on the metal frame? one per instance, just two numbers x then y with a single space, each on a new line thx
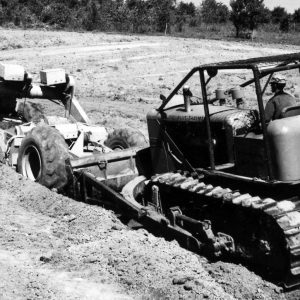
284 62
87 185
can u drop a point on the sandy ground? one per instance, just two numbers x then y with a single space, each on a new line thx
52 247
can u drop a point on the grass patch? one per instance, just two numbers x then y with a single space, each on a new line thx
268 33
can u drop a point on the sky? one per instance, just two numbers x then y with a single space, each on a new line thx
289 5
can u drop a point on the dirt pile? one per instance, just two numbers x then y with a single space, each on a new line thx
53 247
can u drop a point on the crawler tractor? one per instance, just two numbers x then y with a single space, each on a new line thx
229 182
216 178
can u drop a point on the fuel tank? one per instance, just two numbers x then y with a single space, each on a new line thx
284 138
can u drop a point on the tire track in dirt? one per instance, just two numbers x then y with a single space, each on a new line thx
80 50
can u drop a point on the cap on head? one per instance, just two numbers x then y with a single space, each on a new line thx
278 78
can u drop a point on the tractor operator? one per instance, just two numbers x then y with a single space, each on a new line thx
280 100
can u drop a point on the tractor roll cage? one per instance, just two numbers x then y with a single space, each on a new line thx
282 62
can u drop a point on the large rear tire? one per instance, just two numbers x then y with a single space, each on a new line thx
42 157
125 138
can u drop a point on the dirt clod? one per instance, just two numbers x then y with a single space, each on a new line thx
45 259
180 280
188 287
117 227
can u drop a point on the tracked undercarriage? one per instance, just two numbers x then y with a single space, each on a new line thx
211 216
263 232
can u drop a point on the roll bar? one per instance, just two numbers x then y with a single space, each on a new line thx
284 62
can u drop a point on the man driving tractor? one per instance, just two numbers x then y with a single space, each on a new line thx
280 100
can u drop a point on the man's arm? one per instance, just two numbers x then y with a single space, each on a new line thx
269 111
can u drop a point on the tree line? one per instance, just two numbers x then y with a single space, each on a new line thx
141 16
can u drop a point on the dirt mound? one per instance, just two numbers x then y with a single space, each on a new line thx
53 247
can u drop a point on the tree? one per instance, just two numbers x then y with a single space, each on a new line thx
222 12
56 14
185 13
246 14
278 14
184 9
285 24
214 12
150 15
164 11
296 15
138 14
91 21
266 15
120 16
208 11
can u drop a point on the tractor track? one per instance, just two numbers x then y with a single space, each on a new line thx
282 217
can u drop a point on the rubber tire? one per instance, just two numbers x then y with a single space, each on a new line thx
42 157
32 112
125 138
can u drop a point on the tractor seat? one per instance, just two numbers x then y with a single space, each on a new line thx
290 111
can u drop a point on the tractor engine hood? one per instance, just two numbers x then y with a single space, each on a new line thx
237 119
189 133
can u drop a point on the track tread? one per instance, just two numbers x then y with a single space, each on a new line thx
285 219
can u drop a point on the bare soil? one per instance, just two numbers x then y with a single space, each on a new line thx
52 247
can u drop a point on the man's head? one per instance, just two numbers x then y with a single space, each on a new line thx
277 82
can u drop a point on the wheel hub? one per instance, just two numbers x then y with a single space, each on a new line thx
32 163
